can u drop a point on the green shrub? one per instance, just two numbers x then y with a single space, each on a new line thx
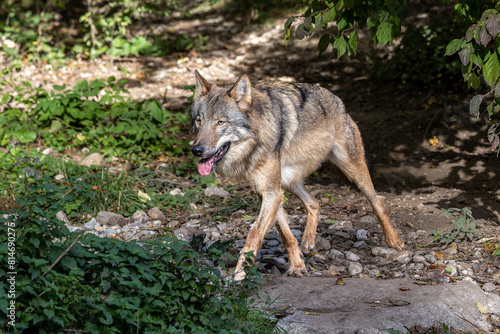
105 285
98 114
464 227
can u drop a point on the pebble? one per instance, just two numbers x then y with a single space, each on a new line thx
110 219
342 225
297 234
272 235
403 257
333 253
193 223
385 252
476 266
352 256
489 287
61 215
322 244
216 191
92 224
419 259
336 270
368 220
272 243
360 244
140 216
155 214
355 268
74 228
450 251
48 151
95 159
362 235
320 258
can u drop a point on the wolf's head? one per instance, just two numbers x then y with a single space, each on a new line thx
220 120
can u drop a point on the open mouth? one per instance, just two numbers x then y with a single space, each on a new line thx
207 165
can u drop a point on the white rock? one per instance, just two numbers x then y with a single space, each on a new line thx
72 228
216 191
341 225
48 151
61 215
176 191
355 268
334 253
92 224
93 159
352 256
155 213
384 252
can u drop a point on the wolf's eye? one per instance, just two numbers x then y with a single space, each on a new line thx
221 122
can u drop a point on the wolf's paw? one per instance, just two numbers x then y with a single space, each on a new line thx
308 246
297 271
239 276
395 242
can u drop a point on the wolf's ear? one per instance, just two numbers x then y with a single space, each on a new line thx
202 85
242 89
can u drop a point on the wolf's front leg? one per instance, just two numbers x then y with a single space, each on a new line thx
267 183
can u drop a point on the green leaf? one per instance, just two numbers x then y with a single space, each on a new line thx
384 33
491 70
497 91
289 22
473 81
470 33
453 47
475 103
353 41
323 43
319 22
329 15
5 97
340 45
339 5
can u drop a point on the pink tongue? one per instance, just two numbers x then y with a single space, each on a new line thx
205 166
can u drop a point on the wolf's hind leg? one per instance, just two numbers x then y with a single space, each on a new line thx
308 243
296 263
352 163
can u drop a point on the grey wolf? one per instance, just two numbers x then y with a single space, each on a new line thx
274 134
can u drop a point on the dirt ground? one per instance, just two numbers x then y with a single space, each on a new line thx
414 177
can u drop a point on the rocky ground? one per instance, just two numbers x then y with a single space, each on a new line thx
427 156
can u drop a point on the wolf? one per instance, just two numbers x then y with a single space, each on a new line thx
273 135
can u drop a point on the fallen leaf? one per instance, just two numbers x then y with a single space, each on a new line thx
365 276
339 281
403 288
312 313
439 266
439 255
434 141
143 196
482 309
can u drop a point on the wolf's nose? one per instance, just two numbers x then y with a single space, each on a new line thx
197 151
